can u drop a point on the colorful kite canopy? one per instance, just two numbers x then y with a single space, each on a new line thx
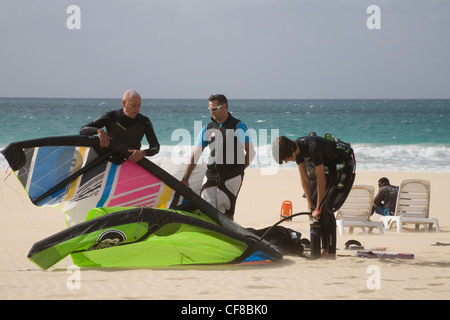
146 237
167 223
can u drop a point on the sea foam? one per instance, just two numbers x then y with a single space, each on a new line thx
414 158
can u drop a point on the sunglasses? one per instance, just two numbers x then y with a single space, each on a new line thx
216 108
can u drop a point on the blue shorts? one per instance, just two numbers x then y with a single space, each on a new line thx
383 211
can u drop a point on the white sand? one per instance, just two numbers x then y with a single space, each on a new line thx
427 276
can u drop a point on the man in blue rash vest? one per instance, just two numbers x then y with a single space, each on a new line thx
231 151
126 126
323 154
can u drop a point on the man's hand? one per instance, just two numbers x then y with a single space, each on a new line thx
104 138
316 214
185 181
136 155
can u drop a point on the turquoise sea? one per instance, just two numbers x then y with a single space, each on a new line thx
391 135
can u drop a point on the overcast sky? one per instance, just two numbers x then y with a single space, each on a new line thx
281 49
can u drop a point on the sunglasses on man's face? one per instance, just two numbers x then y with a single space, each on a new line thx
216 108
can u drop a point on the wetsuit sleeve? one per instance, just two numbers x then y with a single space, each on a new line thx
201 142
152 139
91 128
300 158
242 133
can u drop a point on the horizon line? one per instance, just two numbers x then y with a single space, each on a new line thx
119 98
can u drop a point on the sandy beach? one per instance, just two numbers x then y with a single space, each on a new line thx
427 276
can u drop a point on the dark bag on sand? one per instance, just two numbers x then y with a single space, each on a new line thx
288 240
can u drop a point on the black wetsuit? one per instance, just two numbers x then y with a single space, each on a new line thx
319 150
224 168
220 163
322 151
124 130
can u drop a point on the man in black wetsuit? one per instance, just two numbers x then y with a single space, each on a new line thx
126 126
323 153
231 152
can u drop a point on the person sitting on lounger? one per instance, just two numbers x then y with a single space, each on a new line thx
384 202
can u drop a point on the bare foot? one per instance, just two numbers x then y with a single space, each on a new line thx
328 256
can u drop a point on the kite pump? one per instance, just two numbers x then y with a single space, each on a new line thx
315 235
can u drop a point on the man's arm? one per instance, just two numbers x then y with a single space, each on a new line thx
91 128
243 136
321 185
152 140
95 127
192 164
305 182
137 155
380 197
249 154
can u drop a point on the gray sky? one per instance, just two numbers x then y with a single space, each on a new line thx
264 49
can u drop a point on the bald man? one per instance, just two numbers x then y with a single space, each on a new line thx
126 126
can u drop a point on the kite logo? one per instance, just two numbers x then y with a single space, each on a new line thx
109 238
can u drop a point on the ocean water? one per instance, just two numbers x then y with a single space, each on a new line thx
388 135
